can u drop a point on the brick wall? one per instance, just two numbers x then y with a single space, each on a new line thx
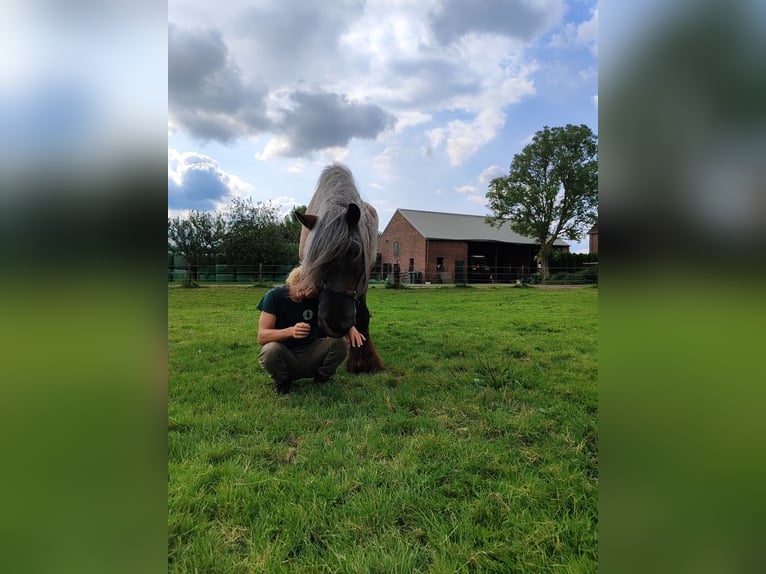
411 245
451 251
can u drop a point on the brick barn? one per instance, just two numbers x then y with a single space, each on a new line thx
448 247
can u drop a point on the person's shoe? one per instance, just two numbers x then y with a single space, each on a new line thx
282 387
321 379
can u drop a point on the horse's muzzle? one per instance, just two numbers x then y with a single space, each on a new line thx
335 332
337 311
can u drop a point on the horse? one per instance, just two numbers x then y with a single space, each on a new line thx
338 247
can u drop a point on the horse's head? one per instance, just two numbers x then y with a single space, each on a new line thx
339 270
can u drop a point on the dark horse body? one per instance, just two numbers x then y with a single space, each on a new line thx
337 250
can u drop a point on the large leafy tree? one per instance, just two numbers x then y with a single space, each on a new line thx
292 228
256 233
197 237
551 191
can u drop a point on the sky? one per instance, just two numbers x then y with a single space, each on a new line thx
426 102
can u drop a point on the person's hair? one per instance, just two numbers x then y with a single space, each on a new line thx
294 278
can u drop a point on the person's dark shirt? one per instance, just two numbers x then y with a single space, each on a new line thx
277 302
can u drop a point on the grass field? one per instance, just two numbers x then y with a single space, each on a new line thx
476 450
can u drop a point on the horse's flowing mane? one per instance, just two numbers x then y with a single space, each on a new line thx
331 241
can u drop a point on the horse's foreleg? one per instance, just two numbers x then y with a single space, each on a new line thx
364 359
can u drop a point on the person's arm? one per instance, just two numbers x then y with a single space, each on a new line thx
268 334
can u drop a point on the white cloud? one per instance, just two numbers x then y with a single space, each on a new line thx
275 148
415 77
284 204
454 19
500 87
373 82
408 119
565 38
392 70
464 139
587 33
436 137
332 154
296 167
383 164
196 181
471 193
490 173
388 30
583 35
512 90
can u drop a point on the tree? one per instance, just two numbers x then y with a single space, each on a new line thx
255 234
551 191
292 228
197 237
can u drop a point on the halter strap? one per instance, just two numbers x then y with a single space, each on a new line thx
355 293
324 286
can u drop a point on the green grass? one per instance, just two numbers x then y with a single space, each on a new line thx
476 450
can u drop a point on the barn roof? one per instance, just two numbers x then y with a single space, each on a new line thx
458 227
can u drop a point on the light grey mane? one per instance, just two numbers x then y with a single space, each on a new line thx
330 239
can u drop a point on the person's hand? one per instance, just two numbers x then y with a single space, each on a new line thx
355 338
307 293
301 330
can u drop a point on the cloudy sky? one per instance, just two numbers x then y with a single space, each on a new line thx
426 101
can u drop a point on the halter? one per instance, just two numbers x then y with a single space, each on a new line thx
355 294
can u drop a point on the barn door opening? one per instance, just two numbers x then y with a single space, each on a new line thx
459 271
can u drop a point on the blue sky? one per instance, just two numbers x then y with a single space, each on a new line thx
424 101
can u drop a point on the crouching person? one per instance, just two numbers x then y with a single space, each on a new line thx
289 334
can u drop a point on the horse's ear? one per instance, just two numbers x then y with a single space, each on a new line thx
353 214
308 221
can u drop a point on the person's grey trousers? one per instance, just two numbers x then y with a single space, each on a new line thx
322 357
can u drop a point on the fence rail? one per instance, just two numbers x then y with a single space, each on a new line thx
225 273
558 276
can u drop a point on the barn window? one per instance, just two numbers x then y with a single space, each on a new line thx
396 249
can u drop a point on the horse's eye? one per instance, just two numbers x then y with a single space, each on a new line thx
354 251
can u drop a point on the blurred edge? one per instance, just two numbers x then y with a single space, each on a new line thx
682 143
682 185
83 148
